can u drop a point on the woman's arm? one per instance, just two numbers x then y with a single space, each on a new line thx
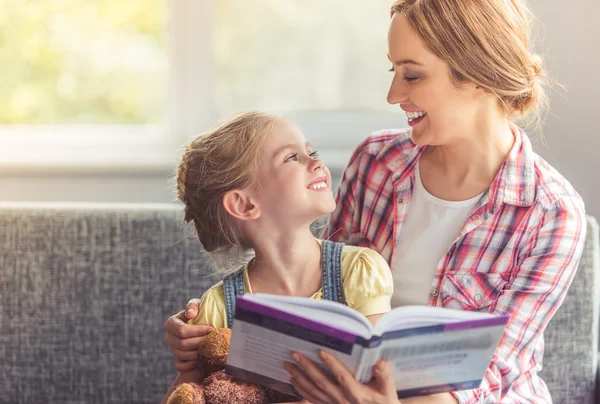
374 318
444 398
184 339
342 219
538 285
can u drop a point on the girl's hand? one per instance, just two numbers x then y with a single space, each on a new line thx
318 388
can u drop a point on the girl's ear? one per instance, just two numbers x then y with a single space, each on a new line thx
239 205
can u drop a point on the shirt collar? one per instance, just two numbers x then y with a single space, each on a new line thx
400 156
514 184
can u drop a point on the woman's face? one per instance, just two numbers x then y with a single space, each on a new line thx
438 111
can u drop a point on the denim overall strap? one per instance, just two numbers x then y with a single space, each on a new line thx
233 285
331 264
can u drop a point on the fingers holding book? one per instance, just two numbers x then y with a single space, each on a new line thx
341 387
312 383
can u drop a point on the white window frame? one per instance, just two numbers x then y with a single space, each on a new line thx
189 110
122 148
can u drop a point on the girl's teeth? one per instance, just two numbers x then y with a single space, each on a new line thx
318 185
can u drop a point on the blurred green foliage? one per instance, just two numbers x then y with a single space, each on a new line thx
82 61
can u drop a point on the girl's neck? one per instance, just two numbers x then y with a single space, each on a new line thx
286 263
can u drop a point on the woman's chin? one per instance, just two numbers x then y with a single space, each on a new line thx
421 134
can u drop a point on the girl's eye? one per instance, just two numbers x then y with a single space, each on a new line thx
314 155
293 157
392 69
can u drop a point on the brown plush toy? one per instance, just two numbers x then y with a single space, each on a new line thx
216 387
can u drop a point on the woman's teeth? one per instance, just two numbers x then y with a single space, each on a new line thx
414 115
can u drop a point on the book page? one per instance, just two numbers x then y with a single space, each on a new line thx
438 359
330 313
263 339
408 317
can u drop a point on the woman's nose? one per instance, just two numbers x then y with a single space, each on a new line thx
398 92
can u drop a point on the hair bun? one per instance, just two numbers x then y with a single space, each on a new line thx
537 65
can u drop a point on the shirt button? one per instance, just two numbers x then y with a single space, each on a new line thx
476 217
435 293
478 297
396 178
400 200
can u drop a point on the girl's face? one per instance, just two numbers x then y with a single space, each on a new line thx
438 111
293 184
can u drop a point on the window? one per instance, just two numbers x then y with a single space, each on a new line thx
122 84
301 55
323 63
83 62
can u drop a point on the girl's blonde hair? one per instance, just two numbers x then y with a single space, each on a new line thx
215 163
486 43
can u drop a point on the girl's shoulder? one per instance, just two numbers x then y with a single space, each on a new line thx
361 265
367 280
212 308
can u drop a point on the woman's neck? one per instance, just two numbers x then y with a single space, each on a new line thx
466 168
286 263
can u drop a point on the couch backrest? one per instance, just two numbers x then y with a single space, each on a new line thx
84 294
571 350
85 290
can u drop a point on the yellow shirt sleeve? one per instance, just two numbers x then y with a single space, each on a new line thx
212 308
367 278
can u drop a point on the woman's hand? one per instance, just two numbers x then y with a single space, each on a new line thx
318 388
184 339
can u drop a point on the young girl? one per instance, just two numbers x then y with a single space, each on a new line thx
256 183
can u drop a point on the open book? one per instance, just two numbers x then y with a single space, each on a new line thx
430 349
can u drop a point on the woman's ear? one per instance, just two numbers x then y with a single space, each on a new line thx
479 91
239 205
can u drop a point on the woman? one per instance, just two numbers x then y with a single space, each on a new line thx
468 216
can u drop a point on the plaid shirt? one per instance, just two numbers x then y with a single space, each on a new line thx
516 254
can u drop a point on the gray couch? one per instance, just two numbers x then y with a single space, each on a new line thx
85 290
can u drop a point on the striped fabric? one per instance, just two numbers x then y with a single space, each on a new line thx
516 254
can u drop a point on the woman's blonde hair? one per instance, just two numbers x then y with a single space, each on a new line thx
215 163
485 42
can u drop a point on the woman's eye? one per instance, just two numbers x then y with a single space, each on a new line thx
293 157
314 155
406 78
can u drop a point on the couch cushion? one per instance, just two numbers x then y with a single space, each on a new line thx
84 293
571 339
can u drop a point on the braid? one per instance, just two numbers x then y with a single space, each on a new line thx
182 171
211 165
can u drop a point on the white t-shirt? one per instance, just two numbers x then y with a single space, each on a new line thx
429 229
